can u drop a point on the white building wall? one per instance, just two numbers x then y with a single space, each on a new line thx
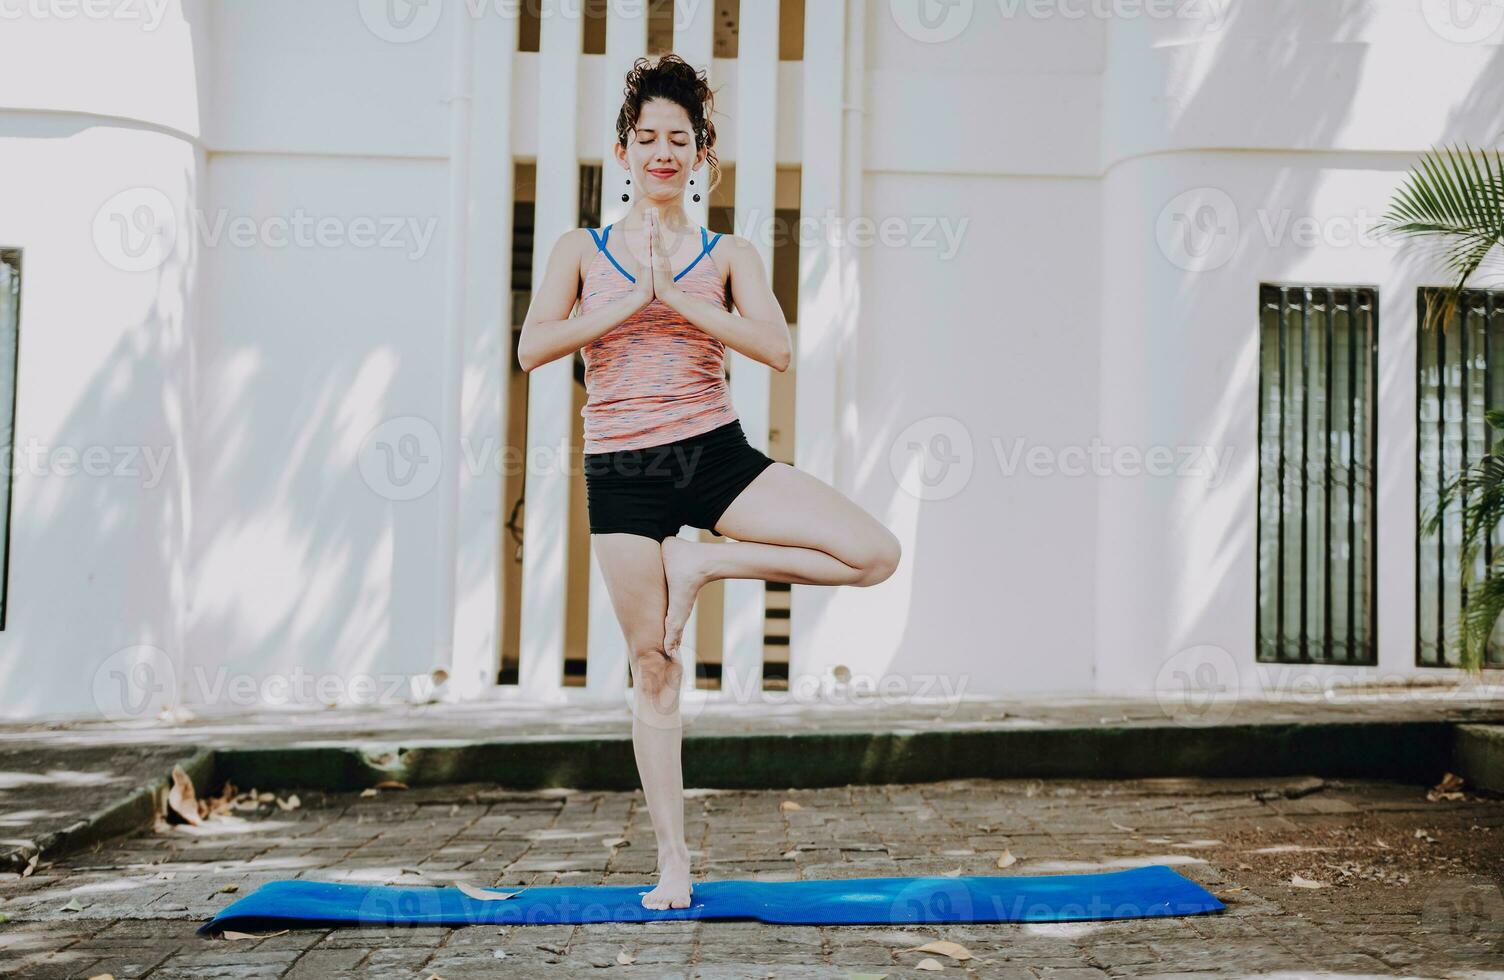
1281 132
1024 299
97 183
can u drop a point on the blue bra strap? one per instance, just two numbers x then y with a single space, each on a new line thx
705 247
630 277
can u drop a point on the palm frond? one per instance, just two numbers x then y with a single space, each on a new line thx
1457 198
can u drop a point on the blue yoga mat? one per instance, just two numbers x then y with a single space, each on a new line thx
1137 893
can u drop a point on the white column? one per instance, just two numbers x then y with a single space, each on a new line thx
694 41
452 341
756 181
626 40
487 359
823 301
550 389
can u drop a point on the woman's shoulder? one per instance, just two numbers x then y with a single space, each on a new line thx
726 243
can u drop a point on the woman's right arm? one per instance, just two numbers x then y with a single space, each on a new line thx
548 331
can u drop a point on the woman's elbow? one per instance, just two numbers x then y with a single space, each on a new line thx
527 359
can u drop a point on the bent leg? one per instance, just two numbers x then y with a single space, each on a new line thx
788 526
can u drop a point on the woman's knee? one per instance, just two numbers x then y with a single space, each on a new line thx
652 667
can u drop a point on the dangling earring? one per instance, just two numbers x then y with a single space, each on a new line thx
624 193
697 193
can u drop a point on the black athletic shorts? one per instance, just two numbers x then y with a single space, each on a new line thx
655 490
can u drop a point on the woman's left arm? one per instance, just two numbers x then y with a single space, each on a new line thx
760 332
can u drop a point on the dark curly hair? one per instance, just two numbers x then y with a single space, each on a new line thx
676 80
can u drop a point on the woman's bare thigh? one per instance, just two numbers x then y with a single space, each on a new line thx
632 566
785 505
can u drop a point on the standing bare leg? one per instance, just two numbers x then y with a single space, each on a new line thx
633 569
789 526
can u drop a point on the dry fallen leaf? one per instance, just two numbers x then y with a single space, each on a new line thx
1126 830
291 803
789 854
72 906
945 948
1299 882
952 874
232 934
370 791
181 799
31 864
1006 859
224 802
928 963
625 958
484 895
789 805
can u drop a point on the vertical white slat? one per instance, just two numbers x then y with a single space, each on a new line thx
694 41
452 331
487 368
626 40
550 413
823 300
756 180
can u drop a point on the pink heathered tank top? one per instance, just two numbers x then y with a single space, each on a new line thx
655 377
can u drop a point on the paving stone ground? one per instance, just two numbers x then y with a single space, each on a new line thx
1412 886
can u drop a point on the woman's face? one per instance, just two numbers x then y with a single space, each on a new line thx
660 152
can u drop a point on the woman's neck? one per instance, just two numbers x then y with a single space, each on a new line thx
672 218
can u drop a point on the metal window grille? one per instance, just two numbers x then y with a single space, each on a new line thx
1455 382
1318 353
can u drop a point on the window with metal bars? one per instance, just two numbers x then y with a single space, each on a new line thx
1318 357
1459 375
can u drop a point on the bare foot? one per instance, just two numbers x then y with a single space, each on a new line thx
685 571
674 888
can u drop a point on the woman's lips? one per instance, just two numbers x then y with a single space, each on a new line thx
663 174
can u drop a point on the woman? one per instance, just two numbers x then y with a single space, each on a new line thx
663 444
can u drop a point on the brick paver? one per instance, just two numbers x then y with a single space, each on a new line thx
1412 885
